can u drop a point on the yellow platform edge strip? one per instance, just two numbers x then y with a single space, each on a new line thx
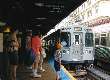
71 77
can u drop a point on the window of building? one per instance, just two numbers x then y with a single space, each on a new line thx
82 17
96 8
77 10
89 13
89 2
83 6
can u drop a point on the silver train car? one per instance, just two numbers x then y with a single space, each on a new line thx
77 44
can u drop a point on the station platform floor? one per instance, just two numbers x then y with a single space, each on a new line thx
25 74
49 74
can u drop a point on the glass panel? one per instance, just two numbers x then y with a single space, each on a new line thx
65 39
97 41
103 41
103 35
97 35
89 39
76 39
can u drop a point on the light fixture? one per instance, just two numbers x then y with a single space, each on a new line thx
41 18
7 29
38 25
39 4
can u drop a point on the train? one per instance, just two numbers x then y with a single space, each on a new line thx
77 44
102 51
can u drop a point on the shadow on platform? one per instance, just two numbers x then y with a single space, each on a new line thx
24 74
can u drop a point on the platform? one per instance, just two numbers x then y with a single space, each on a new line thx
24 74
49 74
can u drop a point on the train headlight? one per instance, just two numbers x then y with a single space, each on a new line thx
68 52
64 52
90 52
86 51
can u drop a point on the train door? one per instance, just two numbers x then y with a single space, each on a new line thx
89 47
77 46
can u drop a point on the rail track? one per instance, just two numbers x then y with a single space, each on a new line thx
98 74
92 73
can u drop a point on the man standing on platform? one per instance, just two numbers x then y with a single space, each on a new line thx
36 46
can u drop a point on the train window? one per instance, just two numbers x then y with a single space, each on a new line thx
103 41
65 39
97 41
97 35
103 35
89 39
76 39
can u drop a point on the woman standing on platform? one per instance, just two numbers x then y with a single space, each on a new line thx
13 54
57 60
28 49
42 56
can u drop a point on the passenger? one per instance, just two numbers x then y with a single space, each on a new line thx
13 54
28 49
43 55
36 46
20 50
57 60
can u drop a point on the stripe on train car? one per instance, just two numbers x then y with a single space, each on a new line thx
65 75
70 76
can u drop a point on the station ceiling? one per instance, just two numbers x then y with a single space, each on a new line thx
40 15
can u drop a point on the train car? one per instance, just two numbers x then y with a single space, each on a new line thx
102 50
78 44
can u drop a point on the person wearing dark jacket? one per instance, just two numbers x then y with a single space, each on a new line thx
57 60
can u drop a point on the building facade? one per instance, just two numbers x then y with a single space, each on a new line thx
95 14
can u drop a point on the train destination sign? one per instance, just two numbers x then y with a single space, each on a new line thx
77 28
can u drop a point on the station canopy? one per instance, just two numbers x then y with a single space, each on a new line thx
40 15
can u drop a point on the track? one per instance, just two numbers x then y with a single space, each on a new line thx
98 74
91 74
